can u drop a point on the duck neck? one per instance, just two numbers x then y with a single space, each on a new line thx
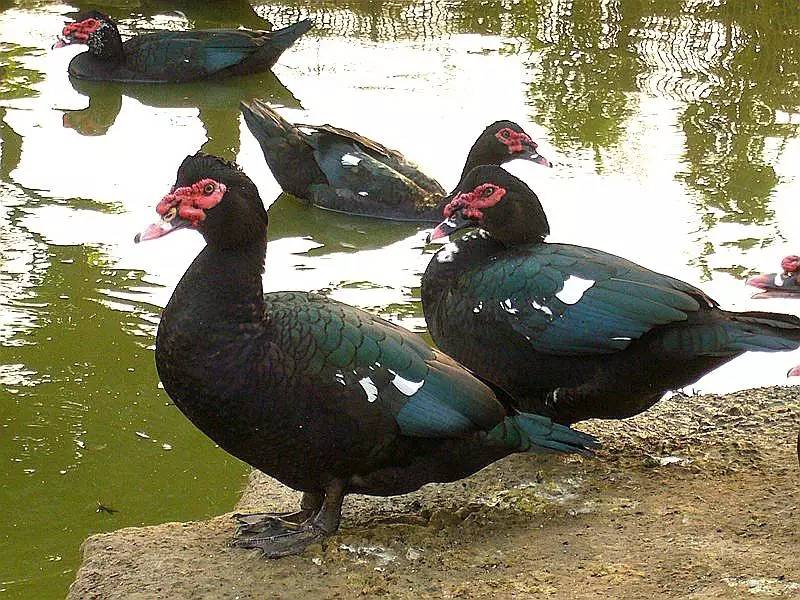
479 155
224 285
106 44
451 261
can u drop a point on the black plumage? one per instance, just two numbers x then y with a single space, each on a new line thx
567 331
340 170
172 56
324 397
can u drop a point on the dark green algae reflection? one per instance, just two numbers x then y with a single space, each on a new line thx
82 420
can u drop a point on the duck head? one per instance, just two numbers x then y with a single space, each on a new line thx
784 283
501 142
214 197
95 30
492 199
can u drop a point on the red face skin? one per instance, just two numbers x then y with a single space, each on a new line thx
514 140
79 32
188 204
790 264
471 203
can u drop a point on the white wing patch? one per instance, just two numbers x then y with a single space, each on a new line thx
508 306
404 386
778 280
348 160
573 290
545 309
369 388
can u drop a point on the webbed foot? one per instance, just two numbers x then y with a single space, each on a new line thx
259 522
276 536
281 538
267 522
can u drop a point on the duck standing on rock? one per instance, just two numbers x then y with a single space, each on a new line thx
326 398
339 170
571 332
172 56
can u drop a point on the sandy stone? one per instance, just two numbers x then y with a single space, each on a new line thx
698 498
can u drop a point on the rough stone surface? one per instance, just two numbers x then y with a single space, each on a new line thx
698 498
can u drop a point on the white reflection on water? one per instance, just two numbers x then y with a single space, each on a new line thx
23 260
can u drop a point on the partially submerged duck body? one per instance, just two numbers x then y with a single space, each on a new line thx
340 170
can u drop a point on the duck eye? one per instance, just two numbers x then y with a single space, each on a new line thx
208 189
505 133
488 191
170 214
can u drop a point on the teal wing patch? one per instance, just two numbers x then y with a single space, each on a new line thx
428 394
568 300
189 54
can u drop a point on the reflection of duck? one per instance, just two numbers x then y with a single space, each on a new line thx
217 102
779 285
172 56
326 398
200 15
335 231
572 332
339 170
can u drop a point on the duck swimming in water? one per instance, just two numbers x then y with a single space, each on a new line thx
340 170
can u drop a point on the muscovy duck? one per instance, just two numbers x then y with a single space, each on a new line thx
571 332
172 56
779 285
326 398
340 170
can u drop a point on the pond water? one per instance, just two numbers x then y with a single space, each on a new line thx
673 125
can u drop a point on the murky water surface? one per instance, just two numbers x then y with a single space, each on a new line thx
674 126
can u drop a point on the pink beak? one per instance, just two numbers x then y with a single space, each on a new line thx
762 282
160 229
793 372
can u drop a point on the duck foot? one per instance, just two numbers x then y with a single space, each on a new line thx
277 537
259 522
268 524
268 521
282 538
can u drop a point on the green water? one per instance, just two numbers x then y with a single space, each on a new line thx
674 126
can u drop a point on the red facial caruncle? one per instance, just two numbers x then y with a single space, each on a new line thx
790 264
81 30
514 140
191 202
471 204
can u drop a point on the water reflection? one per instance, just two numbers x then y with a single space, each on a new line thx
217 103
80 382
333 232
196 15
586 72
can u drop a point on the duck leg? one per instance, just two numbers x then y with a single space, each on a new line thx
263 522
282 538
